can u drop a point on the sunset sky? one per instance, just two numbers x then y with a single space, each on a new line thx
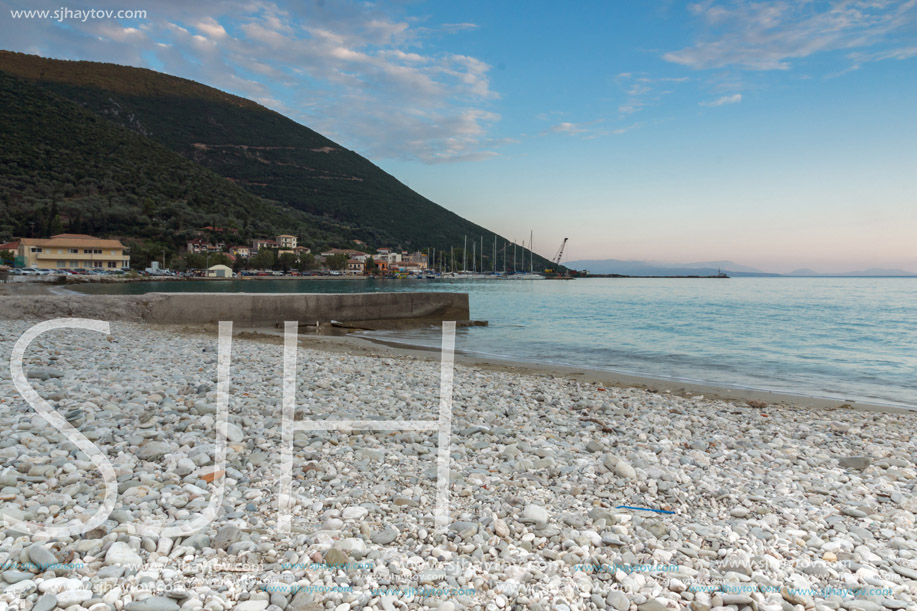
775 134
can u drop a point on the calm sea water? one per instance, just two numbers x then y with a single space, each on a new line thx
845 338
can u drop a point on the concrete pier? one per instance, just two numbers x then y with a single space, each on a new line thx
369 310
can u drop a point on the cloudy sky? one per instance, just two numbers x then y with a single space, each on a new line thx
776 134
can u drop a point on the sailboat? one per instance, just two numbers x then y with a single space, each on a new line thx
526 275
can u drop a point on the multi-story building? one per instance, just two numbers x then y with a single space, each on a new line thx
352 254
287 242
73 251
259 243
355 266
388 255
239 251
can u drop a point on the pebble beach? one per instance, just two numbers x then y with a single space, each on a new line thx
563 494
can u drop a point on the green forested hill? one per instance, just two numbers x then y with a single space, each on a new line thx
63 168
257 150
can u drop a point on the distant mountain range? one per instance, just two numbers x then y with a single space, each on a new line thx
710 268
872 272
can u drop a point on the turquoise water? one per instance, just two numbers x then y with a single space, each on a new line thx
845 338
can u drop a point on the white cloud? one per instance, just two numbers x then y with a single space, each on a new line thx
726 99
347 69
642 90
767 35
569 128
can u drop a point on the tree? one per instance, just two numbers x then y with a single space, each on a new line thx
263 260
7 257
287 260
337 261
369 266
306 261
195 260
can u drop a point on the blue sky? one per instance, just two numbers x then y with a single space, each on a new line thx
776 134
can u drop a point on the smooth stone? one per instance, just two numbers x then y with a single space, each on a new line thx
863 605
13 576
72 597
739 512
618 600
41 557
232 432
45 603
535 514
385 536
464 529
652 604
353 547
251 605
121 553
153 450
905 572
335 556
854 462
226 536
154 603
354 513
622 469
59 584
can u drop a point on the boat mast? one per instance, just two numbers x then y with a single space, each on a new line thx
465 255
531 254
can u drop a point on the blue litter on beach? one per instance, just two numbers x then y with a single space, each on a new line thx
643 509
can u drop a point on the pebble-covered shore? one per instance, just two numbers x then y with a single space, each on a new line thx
773 508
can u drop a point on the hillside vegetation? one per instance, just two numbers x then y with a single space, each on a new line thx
308 184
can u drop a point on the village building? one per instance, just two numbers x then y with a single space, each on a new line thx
72 251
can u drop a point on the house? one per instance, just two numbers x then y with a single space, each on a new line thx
240 251
388 255
301 250
406 267
219 271
71 251
197 245
287 242
259 243
352 254
382 265
201 246
355 266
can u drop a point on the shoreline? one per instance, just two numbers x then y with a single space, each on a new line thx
679 387
356 344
